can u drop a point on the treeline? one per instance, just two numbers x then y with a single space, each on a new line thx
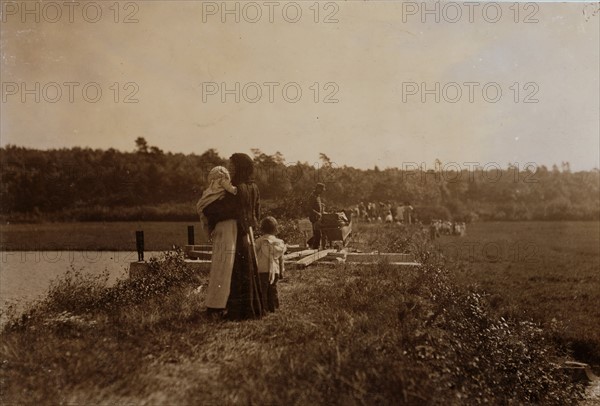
150 184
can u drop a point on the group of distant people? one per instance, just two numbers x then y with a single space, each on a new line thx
439 227
385 212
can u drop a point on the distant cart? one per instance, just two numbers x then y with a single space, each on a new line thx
334 229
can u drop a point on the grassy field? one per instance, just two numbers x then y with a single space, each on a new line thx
351 335
546 271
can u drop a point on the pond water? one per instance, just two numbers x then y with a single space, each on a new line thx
26 275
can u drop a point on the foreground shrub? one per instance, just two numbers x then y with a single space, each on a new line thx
77 293
481 352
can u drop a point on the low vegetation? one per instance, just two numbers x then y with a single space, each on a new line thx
544 271
350 335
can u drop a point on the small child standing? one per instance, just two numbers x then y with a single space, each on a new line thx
269 253
219 182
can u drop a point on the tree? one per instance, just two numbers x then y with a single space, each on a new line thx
156 151
325 159
142 145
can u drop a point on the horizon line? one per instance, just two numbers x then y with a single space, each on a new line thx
422 165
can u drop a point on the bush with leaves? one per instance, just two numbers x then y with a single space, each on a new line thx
77 293
479 355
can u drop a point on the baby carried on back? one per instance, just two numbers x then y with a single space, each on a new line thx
219 182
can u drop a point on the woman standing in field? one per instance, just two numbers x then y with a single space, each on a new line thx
233 251
222 228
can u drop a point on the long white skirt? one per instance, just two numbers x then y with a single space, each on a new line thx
223 255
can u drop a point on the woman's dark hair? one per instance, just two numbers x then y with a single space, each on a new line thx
268 225
244 168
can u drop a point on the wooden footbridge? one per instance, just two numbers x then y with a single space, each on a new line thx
198 257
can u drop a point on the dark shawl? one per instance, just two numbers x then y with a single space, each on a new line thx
245 296
248 193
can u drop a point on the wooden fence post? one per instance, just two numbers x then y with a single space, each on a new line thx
139 243
190 235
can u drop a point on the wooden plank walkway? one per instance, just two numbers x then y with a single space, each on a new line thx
198 259
309 259
298 254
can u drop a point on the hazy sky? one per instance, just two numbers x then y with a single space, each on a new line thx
378 60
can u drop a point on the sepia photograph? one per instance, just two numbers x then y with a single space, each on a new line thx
311 202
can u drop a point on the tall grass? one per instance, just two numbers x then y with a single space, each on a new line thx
351 335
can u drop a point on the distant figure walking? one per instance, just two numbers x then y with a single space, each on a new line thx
400 213
372 212
434 229
407 213
362 211
315 213
389 218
